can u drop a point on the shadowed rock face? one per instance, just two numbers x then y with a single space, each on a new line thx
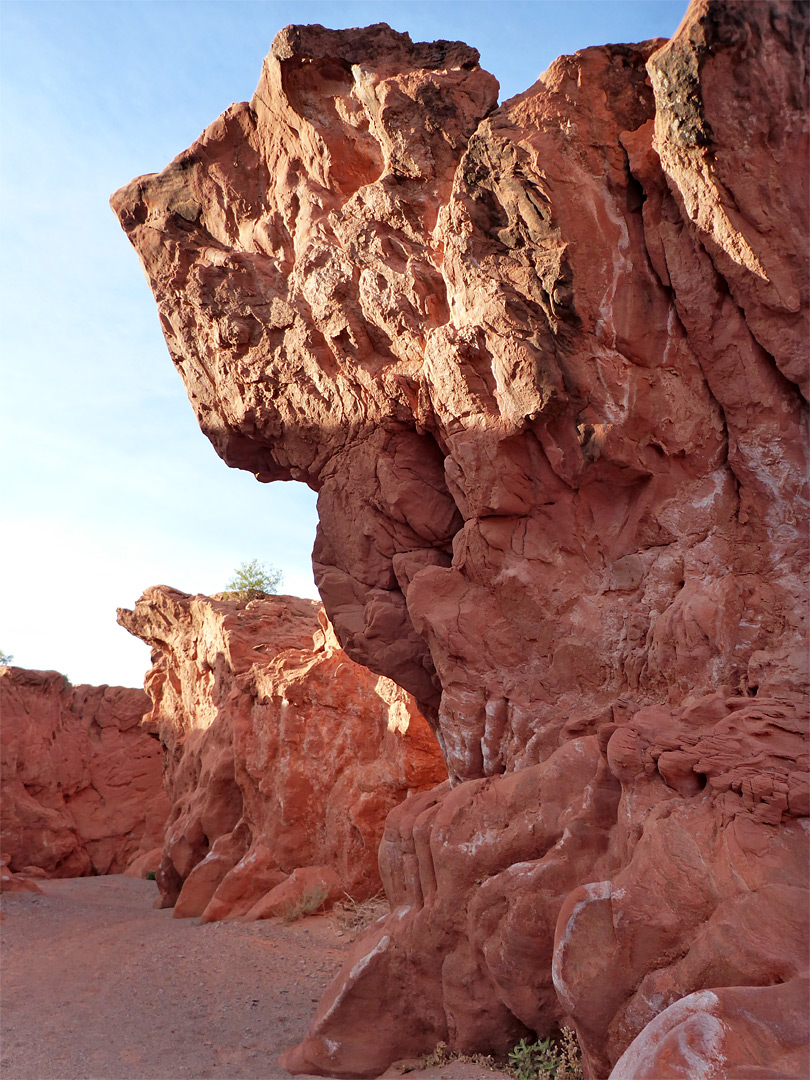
82 778
546 366
283 758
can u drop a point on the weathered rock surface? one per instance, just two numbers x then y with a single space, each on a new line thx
283 757
15 882
82 780
546 366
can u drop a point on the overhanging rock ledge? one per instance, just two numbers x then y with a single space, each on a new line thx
546 366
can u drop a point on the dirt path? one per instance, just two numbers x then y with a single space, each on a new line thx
98 985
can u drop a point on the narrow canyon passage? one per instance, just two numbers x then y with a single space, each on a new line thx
98 984
95 984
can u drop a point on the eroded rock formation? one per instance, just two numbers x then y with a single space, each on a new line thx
81 788
546 366
283 757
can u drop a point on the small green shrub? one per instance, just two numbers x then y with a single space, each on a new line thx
255 579
307 904
530 1061
151 875
547 1059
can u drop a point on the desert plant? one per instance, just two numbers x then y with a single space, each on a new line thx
570 1067
547 1059
307 904
5 658
255 577
531 1061
443 1055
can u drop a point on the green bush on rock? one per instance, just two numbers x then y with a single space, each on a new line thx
252 581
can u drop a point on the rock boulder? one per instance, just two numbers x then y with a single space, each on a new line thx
283 756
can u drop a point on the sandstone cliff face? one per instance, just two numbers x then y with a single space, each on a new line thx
546 366
283 757
82 789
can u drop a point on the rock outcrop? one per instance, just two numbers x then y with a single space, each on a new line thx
81 788
546 366
18 882
283 757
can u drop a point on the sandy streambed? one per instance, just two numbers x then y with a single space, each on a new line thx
95 984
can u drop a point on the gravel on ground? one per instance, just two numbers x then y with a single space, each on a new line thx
97 984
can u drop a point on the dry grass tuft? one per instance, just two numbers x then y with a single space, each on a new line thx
352 917
443 1055
308 904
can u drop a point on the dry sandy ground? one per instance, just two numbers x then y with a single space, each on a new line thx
96 984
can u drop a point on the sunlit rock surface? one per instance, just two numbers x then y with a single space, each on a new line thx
81 789
546 366
283 757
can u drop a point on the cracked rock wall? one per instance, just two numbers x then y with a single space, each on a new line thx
546 366
283 758
82 778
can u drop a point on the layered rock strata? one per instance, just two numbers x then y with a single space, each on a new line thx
546 366
81 788
283 757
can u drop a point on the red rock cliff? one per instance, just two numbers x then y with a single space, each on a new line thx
546 366
81 789
283 757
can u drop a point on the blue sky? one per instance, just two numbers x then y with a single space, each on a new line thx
107 484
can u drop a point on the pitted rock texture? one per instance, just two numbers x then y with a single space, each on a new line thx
82 779
546 365
283 757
